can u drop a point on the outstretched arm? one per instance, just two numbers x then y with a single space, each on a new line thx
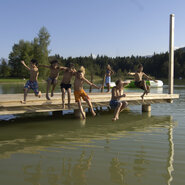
44 66
130 73
63 68
25 65
149 78
91 84
125 84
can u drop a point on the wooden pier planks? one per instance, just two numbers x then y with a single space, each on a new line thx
10 103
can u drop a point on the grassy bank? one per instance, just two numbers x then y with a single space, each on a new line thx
15 80
18 80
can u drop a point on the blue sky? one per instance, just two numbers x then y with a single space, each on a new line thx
105 27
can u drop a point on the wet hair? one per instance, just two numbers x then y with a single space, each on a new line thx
69 65
118 81
34 61
81 70
108 67
139 66
54 62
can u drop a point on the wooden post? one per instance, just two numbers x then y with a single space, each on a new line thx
171 55
103 83
146 108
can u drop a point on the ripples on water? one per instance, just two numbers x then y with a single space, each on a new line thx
137 149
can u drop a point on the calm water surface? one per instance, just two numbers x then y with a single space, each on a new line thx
142 149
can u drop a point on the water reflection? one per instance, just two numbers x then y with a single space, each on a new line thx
170 160
117 171
64 148
140 162
67 171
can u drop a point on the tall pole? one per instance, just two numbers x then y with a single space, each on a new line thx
171 55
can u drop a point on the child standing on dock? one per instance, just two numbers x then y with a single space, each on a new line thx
108 74
53 77
32 82
66 84
115 102
80 93
140 82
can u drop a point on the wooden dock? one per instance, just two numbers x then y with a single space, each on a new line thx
11 103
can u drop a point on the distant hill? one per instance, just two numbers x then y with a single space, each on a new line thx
180 49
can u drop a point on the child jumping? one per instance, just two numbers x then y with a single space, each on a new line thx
139 82
32 82
115 102
53 77
80 93
66 84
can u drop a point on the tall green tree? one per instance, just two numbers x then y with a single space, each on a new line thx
4 69
26 50
21 51
41 51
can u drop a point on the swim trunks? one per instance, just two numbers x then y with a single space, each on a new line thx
53 80
65 86
79 94
32 85
114 103
139 85
107 80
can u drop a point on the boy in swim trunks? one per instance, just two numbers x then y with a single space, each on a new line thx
32 82
108 74
66 84
53 77
115 102
139 82
80 93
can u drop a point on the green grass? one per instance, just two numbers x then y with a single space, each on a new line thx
18 80
14 80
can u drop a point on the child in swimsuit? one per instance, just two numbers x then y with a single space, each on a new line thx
139 82
108 74
66 84
32 82
115 102
80 93
53 77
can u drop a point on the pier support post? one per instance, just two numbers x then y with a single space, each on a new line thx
171 55
146 108
78 114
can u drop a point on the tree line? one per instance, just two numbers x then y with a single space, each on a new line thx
155 65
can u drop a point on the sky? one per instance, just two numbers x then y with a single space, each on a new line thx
104 27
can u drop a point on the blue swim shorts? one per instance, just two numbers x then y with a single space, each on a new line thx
114 103
107 80
32 85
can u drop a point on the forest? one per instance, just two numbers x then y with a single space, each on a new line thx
155 65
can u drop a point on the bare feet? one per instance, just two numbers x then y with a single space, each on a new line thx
142 96
52 94
114 119
23 102
94 113
47 97
40 94
63 106
83 115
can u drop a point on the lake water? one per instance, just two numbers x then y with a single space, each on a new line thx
142 149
